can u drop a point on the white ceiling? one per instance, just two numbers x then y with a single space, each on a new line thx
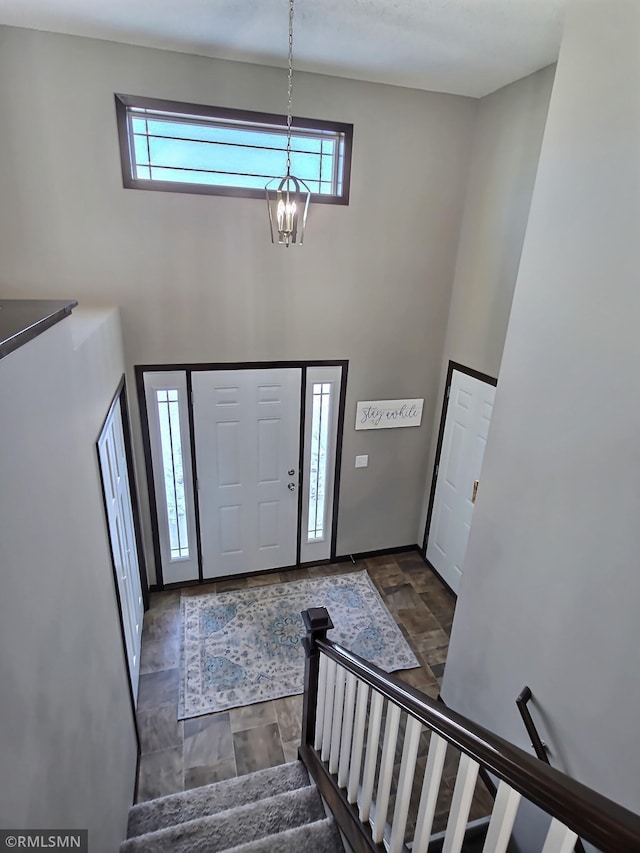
466 47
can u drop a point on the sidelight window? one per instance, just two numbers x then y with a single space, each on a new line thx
320 422
170 442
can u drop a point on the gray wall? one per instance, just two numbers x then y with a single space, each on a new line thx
504 158
551 585
197 278
67 739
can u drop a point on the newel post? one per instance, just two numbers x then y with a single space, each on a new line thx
317 622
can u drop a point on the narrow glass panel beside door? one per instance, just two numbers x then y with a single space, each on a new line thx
169 420
320 443
320 422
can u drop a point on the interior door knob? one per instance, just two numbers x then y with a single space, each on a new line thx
291 487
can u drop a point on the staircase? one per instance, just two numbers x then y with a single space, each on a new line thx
277 809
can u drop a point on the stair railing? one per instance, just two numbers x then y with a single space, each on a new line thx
537 744
346 699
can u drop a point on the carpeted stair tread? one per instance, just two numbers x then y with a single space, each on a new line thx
322 836
234 826
212 799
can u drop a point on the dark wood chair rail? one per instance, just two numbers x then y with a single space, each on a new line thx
595 818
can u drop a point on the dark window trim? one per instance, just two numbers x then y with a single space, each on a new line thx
189 369
475 374
206 111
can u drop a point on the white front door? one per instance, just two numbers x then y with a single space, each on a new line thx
463 443
247 441
115 481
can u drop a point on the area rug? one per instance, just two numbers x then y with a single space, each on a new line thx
244 647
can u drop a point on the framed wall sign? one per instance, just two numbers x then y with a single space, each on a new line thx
388 414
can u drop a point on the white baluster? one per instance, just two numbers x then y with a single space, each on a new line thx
560 839
322 684
502 819
371 758
328 709
336 730
385 776
430 790
347 730
358 741
405 784
460 804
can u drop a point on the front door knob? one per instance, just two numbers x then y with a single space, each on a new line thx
291 487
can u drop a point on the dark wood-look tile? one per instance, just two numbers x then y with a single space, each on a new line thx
158 688
290 749
384 571
159 654
253 716
258 748
410 559
294 575
443 807
438 670
216 746
401 597
161 773
417 620
207 740
165 600
435 656
159 729
266 579
229 586
161 625
421 578
482 803
289 715
421 678
194 777
200 589
329 569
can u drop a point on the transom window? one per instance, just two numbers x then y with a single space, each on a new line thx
177 147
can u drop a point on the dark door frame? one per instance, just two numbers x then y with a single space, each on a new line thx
121 396
189 369
475 374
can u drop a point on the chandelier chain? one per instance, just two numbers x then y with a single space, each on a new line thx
290 87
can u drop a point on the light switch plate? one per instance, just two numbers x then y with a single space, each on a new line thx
362 461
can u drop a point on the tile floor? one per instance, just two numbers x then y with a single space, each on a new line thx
178 755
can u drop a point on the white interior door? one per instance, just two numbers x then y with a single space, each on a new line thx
463 443
115 479
247 439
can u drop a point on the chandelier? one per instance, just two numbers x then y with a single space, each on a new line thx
288 197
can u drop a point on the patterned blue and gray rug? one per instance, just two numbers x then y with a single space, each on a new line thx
244 647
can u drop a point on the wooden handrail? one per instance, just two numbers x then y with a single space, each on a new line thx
593 817
539 747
